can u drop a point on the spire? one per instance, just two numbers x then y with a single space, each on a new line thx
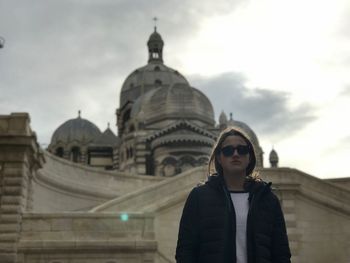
155 45
79 113
155 19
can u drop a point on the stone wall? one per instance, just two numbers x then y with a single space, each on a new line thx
87 237
20 157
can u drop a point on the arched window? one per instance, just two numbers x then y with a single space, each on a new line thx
158 82
126 116
75 154
127 153
59 152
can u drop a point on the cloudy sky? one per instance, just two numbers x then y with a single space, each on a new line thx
280 66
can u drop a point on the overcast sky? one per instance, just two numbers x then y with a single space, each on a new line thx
280 66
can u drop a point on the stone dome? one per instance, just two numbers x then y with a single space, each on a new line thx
79 129
273 158
155 74
151 76
222 118
179 101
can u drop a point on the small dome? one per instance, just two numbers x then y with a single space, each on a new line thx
222 118
179 101
247 129
155 37
155 46
273 158
79 129
252 137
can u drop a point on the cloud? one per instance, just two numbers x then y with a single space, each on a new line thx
266 111
345 91
62 56
341 145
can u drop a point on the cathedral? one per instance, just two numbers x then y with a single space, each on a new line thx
165 126
98 197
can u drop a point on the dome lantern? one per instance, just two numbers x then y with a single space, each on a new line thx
155 45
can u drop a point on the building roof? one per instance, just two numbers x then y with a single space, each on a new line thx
179 101
78 129
107 138
151 76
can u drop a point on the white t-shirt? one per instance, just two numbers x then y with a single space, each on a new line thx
241 206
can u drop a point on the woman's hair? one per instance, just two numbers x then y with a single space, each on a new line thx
215 167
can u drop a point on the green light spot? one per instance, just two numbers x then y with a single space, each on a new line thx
124 217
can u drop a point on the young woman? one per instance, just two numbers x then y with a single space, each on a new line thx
234 216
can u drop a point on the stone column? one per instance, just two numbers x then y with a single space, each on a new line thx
20 157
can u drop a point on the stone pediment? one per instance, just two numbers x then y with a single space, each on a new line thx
180 128
181 132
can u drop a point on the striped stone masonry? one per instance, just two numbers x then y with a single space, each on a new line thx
20 157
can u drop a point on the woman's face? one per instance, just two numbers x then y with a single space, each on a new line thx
234 155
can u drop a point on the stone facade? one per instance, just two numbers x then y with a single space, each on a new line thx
20 157
53 215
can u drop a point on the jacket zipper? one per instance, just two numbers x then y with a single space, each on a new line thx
249 228
232 219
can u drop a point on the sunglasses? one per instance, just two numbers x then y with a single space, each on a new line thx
229 150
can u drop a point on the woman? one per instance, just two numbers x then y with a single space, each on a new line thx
234 216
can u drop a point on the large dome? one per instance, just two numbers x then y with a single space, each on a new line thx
79 129
146 78
179 101
155 74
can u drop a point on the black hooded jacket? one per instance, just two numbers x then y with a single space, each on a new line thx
208 229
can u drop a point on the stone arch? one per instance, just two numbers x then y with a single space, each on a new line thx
169 166
75 154
187 162
59 152
203 160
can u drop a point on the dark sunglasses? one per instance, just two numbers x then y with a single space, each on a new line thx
229 150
